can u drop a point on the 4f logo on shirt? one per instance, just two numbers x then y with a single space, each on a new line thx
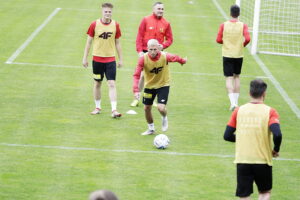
156 70
105 35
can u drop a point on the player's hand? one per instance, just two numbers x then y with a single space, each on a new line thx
185 60
141 54
275 154
85 63
120 64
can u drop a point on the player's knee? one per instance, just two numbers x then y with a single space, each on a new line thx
161 107
147 108
111 84
97 84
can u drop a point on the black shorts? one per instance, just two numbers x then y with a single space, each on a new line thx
162 95
108 68
261 174
232 66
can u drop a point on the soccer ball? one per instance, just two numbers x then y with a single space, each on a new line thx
161 141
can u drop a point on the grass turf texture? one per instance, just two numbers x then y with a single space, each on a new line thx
49 106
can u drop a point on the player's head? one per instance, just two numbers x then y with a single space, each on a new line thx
107 11
103 195
158 9
234 11
258 88
153 47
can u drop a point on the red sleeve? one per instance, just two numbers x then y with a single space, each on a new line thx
220 34
232 120
139 37
137 74
274 117
91 30
169 37
246 35
118 31
175 58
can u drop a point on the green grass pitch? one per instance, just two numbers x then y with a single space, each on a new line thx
51 148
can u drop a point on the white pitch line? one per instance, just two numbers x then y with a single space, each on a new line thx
165 152
47 65
31 37
142 13
267 72
277 85
128 70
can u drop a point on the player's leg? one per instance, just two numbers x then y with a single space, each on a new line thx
236 79
230 92
148 97
263 180
228 73
264 195
245 179
110 73
98 71
236 89
245 198
162 98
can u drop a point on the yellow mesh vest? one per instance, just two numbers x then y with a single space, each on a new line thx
253 137
233 39
156 73
104 39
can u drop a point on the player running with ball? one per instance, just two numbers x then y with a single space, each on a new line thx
157 81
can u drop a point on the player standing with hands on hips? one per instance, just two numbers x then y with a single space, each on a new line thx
254 124
234 36
154 26
154 63
105 34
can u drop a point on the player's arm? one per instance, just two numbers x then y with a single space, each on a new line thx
140 36
118 45
220 34
229 134
277 136
246 35
86 51
90 37
119 51
275 129
231 127
168 37
137 74
176 58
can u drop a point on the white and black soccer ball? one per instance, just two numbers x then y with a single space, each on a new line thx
161 141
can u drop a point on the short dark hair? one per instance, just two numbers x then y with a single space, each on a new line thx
157 3
257 88
235 11
107 5
103 195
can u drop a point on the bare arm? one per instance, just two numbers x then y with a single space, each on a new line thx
119 51
86 51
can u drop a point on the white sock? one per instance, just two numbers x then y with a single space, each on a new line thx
151 126
236 98
113 105
98 103
231 98
164 117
